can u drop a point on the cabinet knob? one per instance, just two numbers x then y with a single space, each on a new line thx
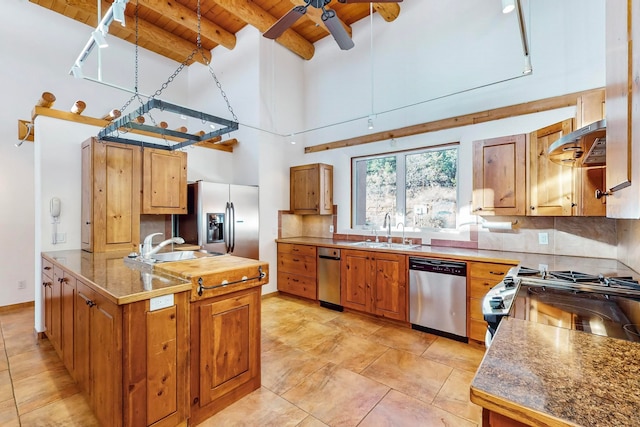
88 222
90 303
47 268
477 209
533 208
45 284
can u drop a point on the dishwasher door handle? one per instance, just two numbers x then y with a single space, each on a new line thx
329 257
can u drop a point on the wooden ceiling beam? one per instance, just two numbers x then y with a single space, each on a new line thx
186 17
388 11
148 32
316 16
553 103
253 14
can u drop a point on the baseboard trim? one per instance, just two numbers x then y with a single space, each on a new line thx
16 306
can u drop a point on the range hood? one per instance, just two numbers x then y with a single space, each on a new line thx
584 147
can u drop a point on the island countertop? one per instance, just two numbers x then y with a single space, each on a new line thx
108 274
545 375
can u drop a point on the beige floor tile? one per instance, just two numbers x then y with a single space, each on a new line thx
39 390
349 351
400 410
260 408
400 338
454 396
72 411
4 362
20 343
409 374
284 367
42 358
6 389
355 324
311 421
455 354
336 396
305 335
9 414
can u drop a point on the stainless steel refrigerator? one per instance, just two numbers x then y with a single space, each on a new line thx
221 218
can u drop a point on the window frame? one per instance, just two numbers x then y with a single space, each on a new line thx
357 163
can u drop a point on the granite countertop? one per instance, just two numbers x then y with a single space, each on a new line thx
110 276
553 262
544 375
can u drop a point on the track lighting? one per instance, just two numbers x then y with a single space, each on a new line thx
508 6
370 122
293 141
76 70
527 65
118 10
98 37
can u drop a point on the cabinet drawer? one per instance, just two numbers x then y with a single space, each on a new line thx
300 250
47 268
488 271
475 309
477 329
478 288
297 285
304 265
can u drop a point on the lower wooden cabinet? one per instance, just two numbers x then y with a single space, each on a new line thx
481 277
129 361
225 351
375 282
297 273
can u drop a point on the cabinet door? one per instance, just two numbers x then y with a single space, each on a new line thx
68 321
355 279
390 291
499 176
304 185
86 207
590 108
586 182
550 184
326 189
54 333
164 182
229 345
84 297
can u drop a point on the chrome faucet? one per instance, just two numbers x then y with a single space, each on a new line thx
387 223
398 226
148 249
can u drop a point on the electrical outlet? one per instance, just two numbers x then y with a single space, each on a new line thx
331 228
61 237
543 238
22 284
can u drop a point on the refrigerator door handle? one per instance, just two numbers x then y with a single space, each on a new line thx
227 234
232 226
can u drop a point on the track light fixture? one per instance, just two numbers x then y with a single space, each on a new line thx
370 122
98 37
118 10
527 65
76 70
508 6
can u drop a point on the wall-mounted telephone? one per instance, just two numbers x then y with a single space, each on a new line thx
54 209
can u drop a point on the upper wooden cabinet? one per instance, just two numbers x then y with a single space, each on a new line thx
590 108
110 209
499 176
164 182
550 184
623 117
311 189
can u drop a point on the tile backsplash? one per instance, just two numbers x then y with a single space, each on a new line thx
628 231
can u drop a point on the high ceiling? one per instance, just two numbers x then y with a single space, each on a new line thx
170 27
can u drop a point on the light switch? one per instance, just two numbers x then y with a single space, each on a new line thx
543 238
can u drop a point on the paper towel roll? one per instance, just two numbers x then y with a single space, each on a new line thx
506 225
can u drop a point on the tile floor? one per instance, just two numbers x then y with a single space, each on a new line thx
319 368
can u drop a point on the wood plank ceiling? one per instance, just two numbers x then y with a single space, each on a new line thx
170 27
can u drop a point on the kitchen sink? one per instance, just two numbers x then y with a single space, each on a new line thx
384 245
173 256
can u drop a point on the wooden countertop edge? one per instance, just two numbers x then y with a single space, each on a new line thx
517 412
457 257
127 299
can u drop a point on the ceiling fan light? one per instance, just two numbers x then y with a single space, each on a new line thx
508 6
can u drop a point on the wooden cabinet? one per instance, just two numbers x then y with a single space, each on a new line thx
297 270
52 304
499 179
225 351
110 209
164 182
311 189
550 185
480 278
623 117
375 282
130 361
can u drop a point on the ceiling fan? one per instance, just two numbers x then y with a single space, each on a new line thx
329 18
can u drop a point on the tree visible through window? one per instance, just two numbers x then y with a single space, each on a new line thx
417 188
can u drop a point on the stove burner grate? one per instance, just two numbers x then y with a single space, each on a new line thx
622 282
574 276
526 271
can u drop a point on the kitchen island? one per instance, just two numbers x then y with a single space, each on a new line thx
126 333
541 375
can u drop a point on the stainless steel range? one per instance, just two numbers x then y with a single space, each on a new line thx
595 304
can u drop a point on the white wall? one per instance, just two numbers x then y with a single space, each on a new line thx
430 51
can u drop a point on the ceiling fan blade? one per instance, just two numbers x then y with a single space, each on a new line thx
287 20
337 30
369 1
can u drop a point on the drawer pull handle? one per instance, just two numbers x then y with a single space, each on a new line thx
45 284
47 268
295 260
497 273
295 280
90 303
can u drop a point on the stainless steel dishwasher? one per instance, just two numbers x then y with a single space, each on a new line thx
329 278
438 297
